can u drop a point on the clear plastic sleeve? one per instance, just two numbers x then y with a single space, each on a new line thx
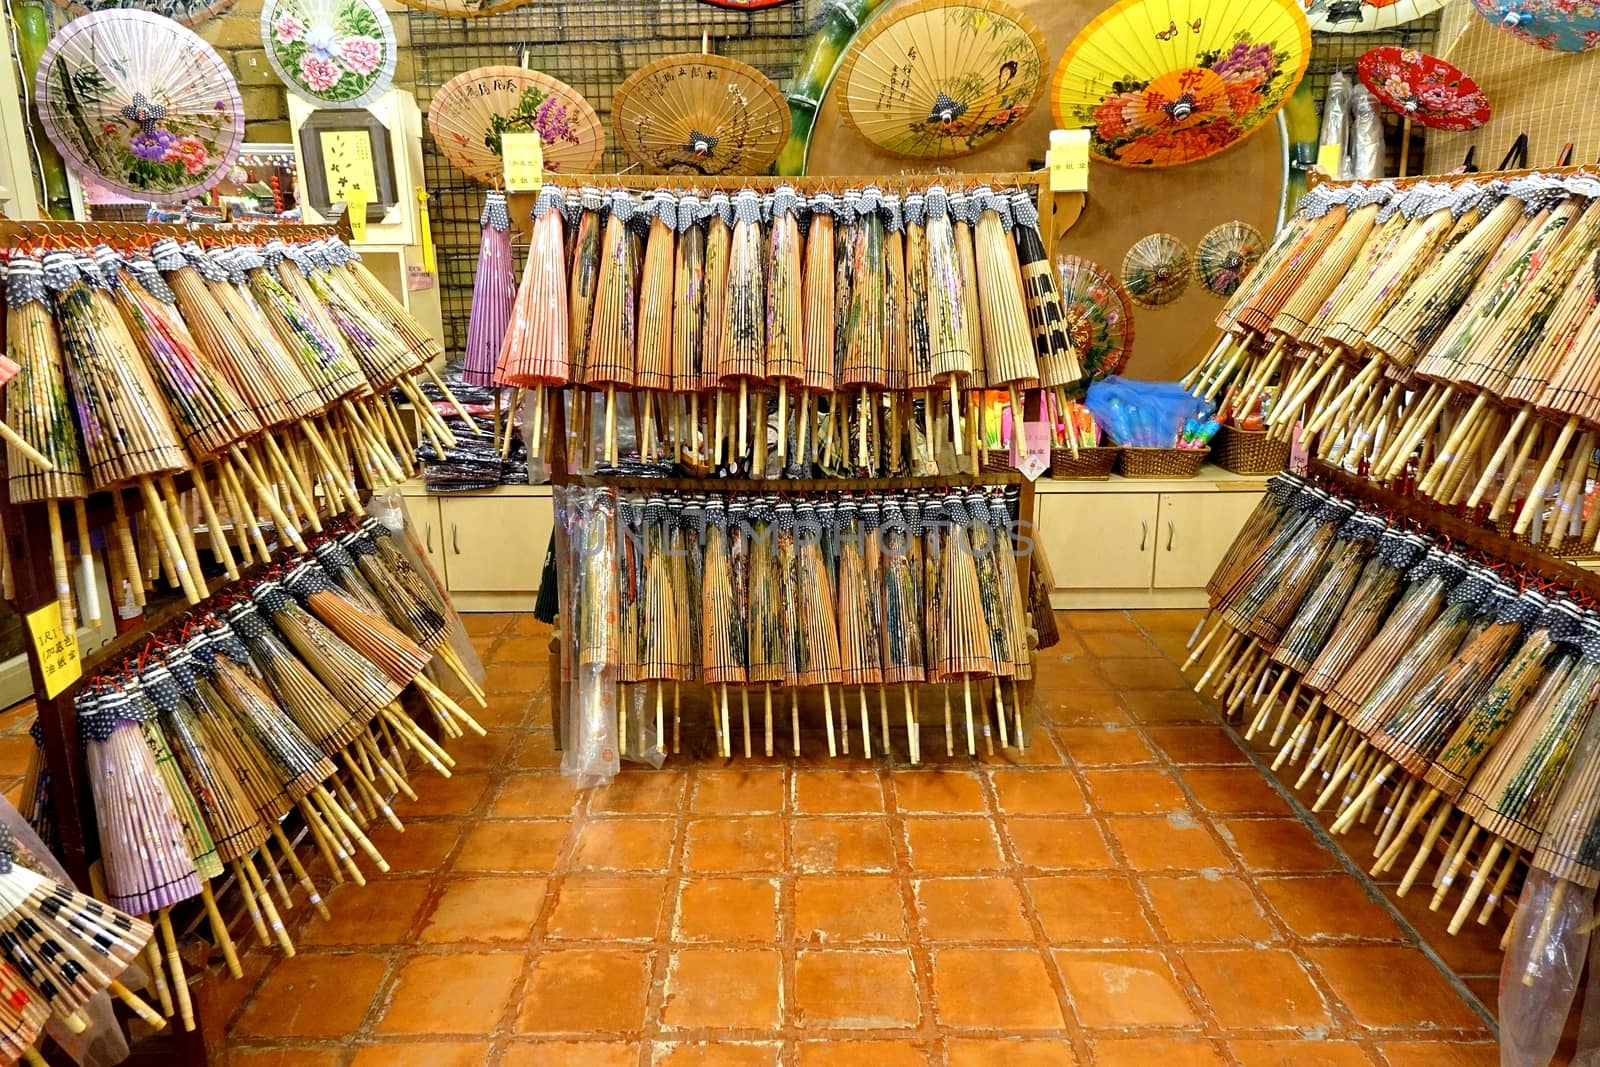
1550 939
1366 151
1336 116
586 546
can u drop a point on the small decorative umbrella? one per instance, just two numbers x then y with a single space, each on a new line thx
935 79
1156 270
141 103
1157 92
701 114
1366 16
744 5
1099 315
1225 255
1423 89
464 9
472 111
1555 26
335 53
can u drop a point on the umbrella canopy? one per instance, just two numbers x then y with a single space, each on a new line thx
1425 89
464 9
141 103
701 114
935 79
336 53
470 113
1225 255
1156 269
1366 16
188 12
1099 314
1159 84
1551 24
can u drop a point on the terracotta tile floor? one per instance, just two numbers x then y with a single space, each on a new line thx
1130 891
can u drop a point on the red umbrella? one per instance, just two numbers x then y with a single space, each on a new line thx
1423 89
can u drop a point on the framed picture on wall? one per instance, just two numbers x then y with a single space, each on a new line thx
347 152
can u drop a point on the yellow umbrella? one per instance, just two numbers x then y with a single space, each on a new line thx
934 79
1160 83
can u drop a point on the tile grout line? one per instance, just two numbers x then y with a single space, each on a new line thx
1327 841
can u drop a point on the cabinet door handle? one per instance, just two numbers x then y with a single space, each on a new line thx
455 541
427 536
1169 535
1144 533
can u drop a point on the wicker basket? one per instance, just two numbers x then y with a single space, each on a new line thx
1249 451
995 461
1160 462
1090 464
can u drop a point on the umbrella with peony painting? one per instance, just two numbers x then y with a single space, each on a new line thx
334 53
1423 89
472 111
1554 25
1160 83
141 103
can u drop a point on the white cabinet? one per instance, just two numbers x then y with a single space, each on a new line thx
1125 543
488 545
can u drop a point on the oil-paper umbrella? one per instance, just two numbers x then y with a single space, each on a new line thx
1558 27
1099 315
701 114
1366 16
1225 255
1160 84
335 53
935 79
464 9
1423 89
1156 269
472 111
141 103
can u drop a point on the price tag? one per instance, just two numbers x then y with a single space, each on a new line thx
1037 459
1299 452
1068 161
57 647
355 206
1330 157
522 154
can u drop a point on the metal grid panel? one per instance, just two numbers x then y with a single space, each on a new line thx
592 47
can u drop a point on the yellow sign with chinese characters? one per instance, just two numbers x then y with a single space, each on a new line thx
347 164
522 154
1069 161
355 205
57 647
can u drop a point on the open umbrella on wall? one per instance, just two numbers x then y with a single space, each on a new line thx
1366 16
141 103
701 114
472 111
1423 89
1160 83
935 79
1554 25
334 53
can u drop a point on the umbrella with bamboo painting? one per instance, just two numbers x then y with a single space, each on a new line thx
472 111
700 114
936 79
188 12
141 103
1160 84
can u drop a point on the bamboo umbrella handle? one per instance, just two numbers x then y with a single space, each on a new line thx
455 402
219 539
32 1057
1469 896
1503 450
264 494
58 565
827 717
28 452
1450 453
1514 472
1405 145
137 1005
1531 505
180 985
1547 926
167 539
219 930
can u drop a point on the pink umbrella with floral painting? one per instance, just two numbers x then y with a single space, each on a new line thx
1423 89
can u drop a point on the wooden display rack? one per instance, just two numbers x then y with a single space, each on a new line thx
27 547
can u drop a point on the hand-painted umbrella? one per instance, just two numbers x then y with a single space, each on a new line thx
1160 84
1099 315
1156 270
141 103
472 111
464 9
935 79
701 114
1366 16
1225 255
1424 89
334 53
1551 24
188 12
